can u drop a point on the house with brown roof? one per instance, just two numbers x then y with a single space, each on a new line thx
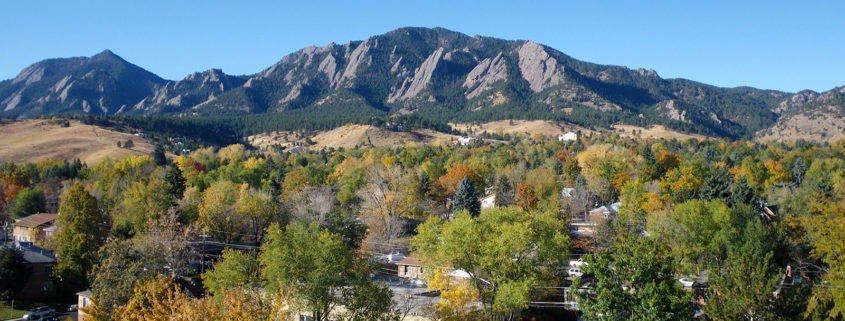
34 227
410 268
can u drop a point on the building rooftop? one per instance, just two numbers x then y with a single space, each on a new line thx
33 254
411 260
37 220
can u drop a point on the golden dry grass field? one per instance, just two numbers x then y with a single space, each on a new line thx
349 136
656 131
538 127
32 140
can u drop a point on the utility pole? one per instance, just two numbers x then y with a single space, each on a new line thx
202 260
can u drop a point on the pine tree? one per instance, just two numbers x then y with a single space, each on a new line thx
798 170
466 199
742 193
504 192
158 155
175 183
425 183
717 185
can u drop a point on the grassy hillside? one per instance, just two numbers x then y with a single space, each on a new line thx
32 140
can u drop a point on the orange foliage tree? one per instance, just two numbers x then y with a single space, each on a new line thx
526 198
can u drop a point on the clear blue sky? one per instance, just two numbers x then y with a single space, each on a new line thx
784 45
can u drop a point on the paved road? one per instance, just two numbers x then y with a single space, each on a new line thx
60 315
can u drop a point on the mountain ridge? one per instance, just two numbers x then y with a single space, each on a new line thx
434 73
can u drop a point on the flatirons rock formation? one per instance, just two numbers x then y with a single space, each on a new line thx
420 70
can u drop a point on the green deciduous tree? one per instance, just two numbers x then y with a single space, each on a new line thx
234 270
506 251
80 234
121 266
743 287
696 232
29 201
321 270
142 202
634 281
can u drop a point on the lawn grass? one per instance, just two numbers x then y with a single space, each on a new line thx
6 314
25 306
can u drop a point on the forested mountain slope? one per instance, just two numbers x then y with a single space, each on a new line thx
434 73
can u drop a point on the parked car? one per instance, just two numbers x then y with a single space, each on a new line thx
687 281
576 263
39 313
574 272
72 308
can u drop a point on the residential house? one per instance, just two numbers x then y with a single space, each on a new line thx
83 301
40 264
588 226
34 227
567 137
603 212
466 140
567 192
581 228
410 268
488 201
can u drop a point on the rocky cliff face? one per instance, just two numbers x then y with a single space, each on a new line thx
194 90
408 70
103 84
538 68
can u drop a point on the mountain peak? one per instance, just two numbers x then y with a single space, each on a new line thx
106 54
434 72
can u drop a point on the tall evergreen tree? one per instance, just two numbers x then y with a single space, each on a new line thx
798 170
176 183
717 185
13 272
742 193
158 155
466 199
425 183
558 168
504 191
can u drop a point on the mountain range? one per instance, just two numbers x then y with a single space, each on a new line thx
434 74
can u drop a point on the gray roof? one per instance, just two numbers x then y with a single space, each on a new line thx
35 255
30 256
86 293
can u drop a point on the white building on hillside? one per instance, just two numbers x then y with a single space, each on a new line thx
568 137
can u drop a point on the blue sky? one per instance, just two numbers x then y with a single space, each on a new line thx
784 45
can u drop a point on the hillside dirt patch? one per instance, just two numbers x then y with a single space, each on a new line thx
538 127
33 140
349 136
656 131
817 127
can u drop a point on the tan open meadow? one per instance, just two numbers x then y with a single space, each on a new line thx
349 136
32 140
